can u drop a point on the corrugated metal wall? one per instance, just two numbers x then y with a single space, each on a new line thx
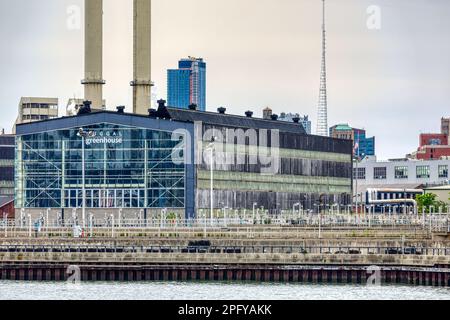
312 170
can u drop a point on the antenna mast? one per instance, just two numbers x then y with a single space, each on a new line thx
322 120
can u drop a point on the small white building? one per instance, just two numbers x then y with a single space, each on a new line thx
399 174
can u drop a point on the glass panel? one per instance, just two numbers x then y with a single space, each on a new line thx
379 173
401 172
422 172
443 171
114 161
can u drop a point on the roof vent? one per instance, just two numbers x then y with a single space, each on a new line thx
193 107
163 112
121 109
152 113
86 108
161 103
274 117
249 114
222 110
296 120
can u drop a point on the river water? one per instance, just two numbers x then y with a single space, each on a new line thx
14 290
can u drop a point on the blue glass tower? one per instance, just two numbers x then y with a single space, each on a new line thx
187 84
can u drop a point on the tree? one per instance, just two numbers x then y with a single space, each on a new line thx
427 201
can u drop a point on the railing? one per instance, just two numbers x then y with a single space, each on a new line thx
441 221
157 249
267 227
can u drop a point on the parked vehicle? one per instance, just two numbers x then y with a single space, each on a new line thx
393 251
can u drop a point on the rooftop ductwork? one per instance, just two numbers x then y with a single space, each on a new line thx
86 108
120 109
153 113
161 103
249 114
222 110
163 113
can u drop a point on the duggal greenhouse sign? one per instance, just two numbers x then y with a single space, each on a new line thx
105 138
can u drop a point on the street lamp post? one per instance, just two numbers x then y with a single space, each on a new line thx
83 187
29 225
47 222
210 147
298 204
83 134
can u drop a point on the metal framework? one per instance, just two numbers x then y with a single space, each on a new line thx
144 175
322 119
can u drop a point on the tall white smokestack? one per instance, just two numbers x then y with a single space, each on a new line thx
93 53
142 57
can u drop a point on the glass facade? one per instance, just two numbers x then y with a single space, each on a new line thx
178 85
125 167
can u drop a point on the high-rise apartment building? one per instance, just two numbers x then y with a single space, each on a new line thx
187 84
33 109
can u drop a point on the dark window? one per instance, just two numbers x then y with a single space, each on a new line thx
379 173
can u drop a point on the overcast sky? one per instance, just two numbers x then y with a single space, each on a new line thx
393 81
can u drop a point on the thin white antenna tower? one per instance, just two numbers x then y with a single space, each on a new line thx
322 119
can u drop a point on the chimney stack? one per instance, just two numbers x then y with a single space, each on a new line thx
267 113
142 56
93 53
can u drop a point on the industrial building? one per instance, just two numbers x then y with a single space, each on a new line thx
187 84
400 174
163 160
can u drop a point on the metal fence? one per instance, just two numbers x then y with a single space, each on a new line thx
248 249
436 220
